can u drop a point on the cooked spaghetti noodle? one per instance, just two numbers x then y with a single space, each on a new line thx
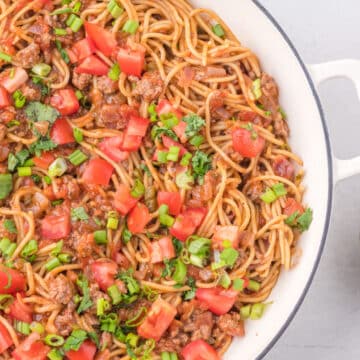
149 196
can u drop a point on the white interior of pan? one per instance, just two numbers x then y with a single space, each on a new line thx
257 32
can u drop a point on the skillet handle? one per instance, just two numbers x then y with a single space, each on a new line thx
341 68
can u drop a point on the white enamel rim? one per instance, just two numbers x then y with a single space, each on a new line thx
256 28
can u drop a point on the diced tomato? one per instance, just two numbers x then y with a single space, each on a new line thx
19 310
5 339
226 233
165 107
123 201
157 320
65 101
31 349
292 206
72 56
11 280
61 132
104 40
131 62
104 273
168 142
172 199
18 77
4 98
83 48
187 222
86 351
217 299
137 126
179 130
92 65
98 172
248 116
111 147
283 167
44 160
199 350
247 142
131 142
162 249
138 218
56 227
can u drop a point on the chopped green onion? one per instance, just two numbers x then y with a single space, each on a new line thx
114 9
257 311
218 30
55 354
225 280
79 214
77 157
41 69
4 244
162 157
9 251
37 327
180 271
74 341
115 294
152 113
102 305
65 258
268 196
22 327
168 356
256 88
52 264
79 95
173 154
57 249
58 167
77 6
61 11
24 171
108 322
282 112
169 120
185 161
30 250
5 57
245 311
114 72
19 99
112 223
13 123
279 189
132 339
254 286
166 220
131 26
218 265
54 340
238 284
60 32
229 256
100 237
29 162
12 162
78 135
22 156
197 140
305 219
47 180
226 244
138 190
137 319
74 23
126 235
183 180
64 55
5 301
163 209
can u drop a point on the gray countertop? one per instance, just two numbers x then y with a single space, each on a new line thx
327 326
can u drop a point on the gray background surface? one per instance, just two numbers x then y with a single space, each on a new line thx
327 326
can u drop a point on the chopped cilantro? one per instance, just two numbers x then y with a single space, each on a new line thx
194 124
43 144
74 341
201 164
190 294
86 302
37 111
169 267
126 235
157 131
9 225
79 214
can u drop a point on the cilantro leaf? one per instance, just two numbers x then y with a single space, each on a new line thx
169 267
178 245
86 302
43 144
194 124
158 131
9 225
201 164
62 51
79 214
74 341
37 111
305 219
190 294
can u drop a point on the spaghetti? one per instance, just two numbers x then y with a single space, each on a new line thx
149 196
